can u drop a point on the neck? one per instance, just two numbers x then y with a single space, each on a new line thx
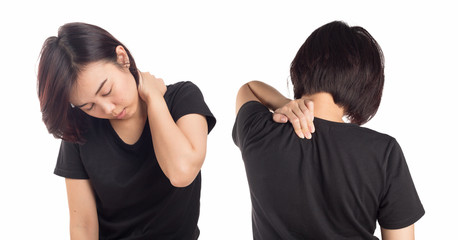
130 130
324 107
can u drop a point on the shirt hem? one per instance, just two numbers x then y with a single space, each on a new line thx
68 174
404 223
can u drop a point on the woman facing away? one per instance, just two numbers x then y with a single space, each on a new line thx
346 177
132 148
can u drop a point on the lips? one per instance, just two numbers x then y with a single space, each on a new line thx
122 114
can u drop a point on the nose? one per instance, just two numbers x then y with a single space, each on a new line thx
107 108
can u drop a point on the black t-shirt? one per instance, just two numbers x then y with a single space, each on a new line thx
134 198
334 186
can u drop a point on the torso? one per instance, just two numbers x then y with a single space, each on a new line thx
329 187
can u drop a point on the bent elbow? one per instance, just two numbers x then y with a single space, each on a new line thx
182 181
184 176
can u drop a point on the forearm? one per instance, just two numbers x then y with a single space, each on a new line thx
84 223
268 95
178 158
84 232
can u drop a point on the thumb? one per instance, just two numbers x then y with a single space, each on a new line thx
279 118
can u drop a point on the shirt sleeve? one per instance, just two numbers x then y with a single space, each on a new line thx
188 99
249 121
69 164
400 205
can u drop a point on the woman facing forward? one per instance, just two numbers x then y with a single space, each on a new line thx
346 178
132 148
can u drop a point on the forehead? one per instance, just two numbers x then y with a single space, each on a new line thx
89 80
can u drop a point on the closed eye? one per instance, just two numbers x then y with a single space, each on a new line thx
108 93
92 106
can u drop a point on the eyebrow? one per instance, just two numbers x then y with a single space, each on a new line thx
98 90
100 87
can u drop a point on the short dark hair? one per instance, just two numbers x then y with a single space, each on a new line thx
344 61
62 58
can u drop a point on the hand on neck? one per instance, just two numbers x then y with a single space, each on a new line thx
325 107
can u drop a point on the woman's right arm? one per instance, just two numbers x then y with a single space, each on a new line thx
83 213
406 233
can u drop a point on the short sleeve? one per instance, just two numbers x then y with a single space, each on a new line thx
400 205
248 122
69 164
186 98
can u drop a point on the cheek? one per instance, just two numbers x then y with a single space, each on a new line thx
126 93
131 89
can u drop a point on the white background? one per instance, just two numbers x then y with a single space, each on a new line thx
219 46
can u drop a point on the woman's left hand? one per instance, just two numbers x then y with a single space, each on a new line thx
149 85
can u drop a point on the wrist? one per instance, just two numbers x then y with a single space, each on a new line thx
283 101
153 99
279 103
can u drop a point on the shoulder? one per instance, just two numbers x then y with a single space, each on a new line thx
376 137
382 143
250 111
253 120
180 92
368 141
184 98
353 131
183 94
251 107
183 86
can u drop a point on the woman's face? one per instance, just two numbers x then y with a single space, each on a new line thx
106 90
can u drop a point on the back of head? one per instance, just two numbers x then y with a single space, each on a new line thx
62 59
344 61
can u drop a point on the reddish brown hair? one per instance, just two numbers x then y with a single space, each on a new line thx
344 61
61 60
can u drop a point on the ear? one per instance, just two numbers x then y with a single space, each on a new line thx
122 57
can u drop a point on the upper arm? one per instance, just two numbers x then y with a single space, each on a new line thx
406 233
194 127
243 96
82 207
